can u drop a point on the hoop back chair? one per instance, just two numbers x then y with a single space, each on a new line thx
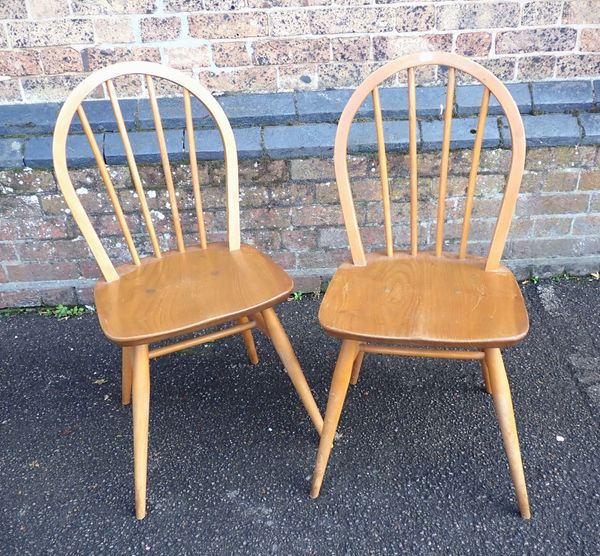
421 303
181 291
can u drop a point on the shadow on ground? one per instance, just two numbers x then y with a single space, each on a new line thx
419 466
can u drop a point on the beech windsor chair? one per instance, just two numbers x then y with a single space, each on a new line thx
420 303
181 291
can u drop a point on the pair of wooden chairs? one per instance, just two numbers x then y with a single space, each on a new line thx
424 304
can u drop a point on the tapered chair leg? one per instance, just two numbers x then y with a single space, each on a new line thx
126 375
356 368
335 402
284 349
141 414
486 376
249 341
506 419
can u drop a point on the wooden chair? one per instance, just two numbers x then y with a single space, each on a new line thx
427 303
181 291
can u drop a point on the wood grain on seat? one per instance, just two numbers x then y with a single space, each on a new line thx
183 292
425 300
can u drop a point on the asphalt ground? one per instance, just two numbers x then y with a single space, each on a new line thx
418 467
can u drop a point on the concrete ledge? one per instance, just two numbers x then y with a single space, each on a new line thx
300 124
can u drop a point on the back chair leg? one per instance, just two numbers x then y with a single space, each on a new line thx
126 375
249 341
260 323
335 402
356 368
141 415
486 376
506 420
286 353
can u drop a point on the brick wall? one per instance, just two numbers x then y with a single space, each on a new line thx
290 209
262 45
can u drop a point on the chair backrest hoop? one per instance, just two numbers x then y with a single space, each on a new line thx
61 132
515 123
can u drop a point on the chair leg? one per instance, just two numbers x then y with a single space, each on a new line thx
249 341
486 376
335 402
141 414
286 353
506 420
260 323
356 368
126 375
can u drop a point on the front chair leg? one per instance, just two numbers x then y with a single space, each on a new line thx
506 420
126 375
284 349
249 341
335 402
141 414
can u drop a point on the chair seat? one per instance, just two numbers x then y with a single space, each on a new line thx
425 300
183 292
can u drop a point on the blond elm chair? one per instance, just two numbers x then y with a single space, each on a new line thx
431 303
183 290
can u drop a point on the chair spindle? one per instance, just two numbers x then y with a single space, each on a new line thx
110 188
164 156
439 239
483 110
412 148
135 175
385 188
189 129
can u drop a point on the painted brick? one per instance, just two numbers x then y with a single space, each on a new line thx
102 118
468 99
210 147
561 96
591 128
363 137
463 133
38 151
114 30
555 129
11 153
144 145
301 140
391 47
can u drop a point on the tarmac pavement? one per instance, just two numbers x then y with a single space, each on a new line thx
418 467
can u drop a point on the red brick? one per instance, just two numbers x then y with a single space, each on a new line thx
19 298
228 25
353 20
18 63
552 204
317 215
299 240
60 59
577 66
35 272
289 23
589 180
286 51
535 40
154 29
100 57
590 40
473 44
586 224
27 34
471 15
188 57
231 54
